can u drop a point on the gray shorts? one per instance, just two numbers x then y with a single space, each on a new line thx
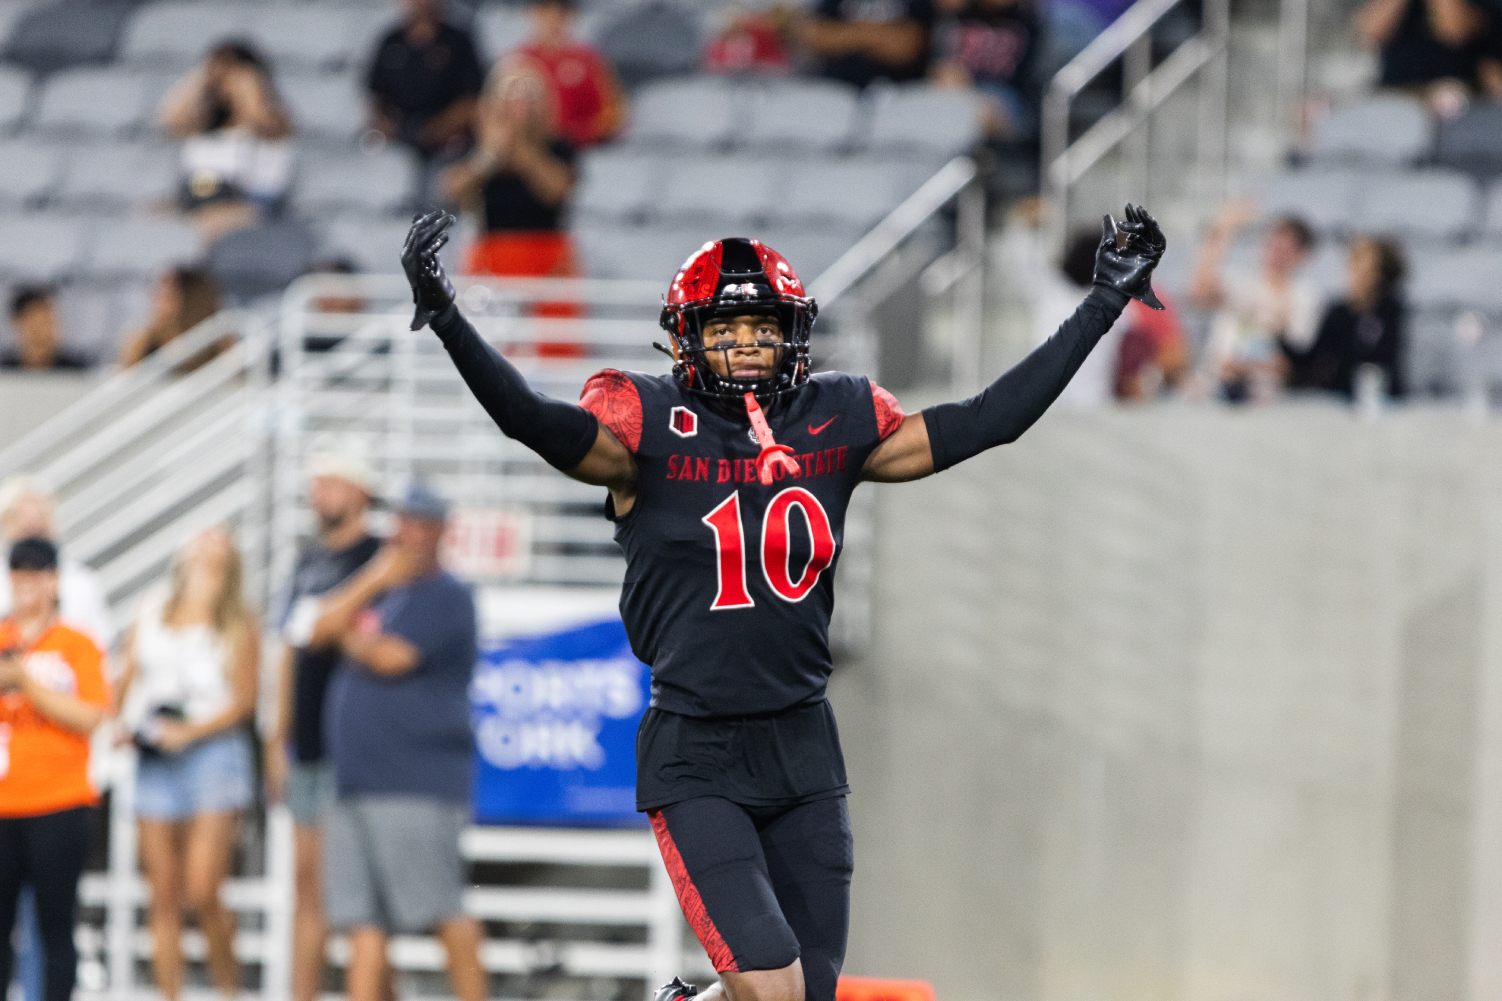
393 862
310 791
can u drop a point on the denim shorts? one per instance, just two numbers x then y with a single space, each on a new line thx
310 791
215 776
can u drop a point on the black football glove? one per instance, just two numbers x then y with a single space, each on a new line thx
431 291
1129 268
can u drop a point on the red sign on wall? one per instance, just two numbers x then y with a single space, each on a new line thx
481 544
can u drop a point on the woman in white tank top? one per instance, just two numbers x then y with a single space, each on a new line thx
188 689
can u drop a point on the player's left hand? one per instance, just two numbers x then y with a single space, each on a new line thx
1128 253
432 292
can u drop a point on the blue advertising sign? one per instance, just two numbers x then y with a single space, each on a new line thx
555 720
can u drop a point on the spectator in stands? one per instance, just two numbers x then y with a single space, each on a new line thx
338 492
52 696
236 162
184 298
992 46
187 691
423 82
1366 327
26 512
861 41
518 180
399 737
39 347
1438 45
753 42
1255 311
587 105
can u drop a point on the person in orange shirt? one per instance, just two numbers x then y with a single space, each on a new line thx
52 696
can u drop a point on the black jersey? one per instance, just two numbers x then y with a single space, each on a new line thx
729 583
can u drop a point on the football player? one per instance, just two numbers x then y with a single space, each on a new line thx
728 483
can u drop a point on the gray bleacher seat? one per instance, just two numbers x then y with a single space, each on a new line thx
378 182
1432 356
1473 141
648 253
117 175
727 189
1457 279
1325 268
304 35
1328 200
695 113
40 247
53 36
847 193
616 184
1384 130
815 115
179 34
918 116
15 87
327 107
30 172
250 263
656 38
374 245
141 247
1436 204
810 253
499 29
102 101
1491 216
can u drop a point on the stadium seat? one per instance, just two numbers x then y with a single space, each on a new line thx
1472 142
40 247
310 35
818 116
1386 130
178 34
327 107
250 263
30 173
729 189
1432 363
697 113
117 176
645 253
15 88
106 101
848 193
1458 279
809 252
1491 220
1435 204
1326 199
141 248
616 185
919 117
54 36
367 182
1325 269
500 28
374 245
657 38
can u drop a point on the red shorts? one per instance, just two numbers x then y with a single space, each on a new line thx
546 254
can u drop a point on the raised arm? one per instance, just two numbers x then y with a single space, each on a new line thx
941 436
567 436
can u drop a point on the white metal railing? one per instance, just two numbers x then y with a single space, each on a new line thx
1144 89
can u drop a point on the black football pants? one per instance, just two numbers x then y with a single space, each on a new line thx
47 851
763 886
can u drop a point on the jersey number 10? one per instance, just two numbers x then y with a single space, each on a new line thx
730 547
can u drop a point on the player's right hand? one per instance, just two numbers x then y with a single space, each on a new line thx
431 291
1127 265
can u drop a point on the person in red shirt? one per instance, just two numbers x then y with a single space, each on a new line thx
587 105
52 696
1152 356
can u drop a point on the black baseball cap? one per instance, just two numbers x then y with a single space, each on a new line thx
33 554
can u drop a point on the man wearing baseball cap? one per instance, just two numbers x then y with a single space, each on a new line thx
397 722
340 483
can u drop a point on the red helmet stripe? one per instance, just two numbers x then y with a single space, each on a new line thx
699 278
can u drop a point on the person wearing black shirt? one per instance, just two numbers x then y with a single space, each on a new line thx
338 494
1425 41
992 46
423 81
1367 327
33 316
861 41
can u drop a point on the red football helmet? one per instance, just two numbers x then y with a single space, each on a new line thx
735 277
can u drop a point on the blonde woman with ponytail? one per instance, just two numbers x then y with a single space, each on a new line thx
188 690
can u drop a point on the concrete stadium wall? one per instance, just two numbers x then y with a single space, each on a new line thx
1182 703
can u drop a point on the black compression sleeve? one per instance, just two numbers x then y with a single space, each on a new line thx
562 433
1010 405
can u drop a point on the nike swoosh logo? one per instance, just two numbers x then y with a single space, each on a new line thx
821 427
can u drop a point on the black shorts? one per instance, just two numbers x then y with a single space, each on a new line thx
773 760
762 887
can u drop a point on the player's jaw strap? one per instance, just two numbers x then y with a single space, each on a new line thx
772 454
